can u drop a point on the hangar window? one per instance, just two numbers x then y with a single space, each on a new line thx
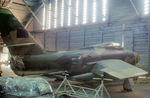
43 21
94 11
62 13
55 16
84 11
69 12
146 7
49 16
77 12
104 9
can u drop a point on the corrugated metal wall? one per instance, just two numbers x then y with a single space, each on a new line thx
123 27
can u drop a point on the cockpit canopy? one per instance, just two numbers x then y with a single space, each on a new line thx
105 45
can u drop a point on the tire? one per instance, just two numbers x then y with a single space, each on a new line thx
128 85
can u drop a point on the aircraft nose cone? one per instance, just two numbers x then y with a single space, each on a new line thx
137 57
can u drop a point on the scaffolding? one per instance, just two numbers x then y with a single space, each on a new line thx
74 91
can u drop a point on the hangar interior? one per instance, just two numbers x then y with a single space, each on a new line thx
71 25
64 25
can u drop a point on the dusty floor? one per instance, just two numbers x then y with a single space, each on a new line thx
141 90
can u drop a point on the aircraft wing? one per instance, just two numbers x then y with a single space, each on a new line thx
22 44
117 68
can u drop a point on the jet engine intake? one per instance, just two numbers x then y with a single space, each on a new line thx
17 63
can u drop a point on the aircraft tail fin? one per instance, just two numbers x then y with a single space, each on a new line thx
18 40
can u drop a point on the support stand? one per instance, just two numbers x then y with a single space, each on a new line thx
65 87
101 89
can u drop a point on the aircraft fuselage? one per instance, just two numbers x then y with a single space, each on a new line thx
76 62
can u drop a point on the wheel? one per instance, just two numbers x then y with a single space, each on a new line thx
128 84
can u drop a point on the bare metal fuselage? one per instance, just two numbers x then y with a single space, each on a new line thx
75 62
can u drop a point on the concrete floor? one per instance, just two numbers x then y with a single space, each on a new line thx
6 71
141 90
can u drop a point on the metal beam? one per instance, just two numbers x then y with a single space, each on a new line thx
33 13
133 5
30 20
18 3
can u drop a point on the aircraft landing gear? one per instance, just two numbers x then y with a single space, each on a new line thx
0 71
128 84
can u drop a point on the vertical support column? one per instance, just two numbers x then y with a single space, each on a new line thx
44 39
133 49
56 40
123 38
69 41
102 36
149 49
84 36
